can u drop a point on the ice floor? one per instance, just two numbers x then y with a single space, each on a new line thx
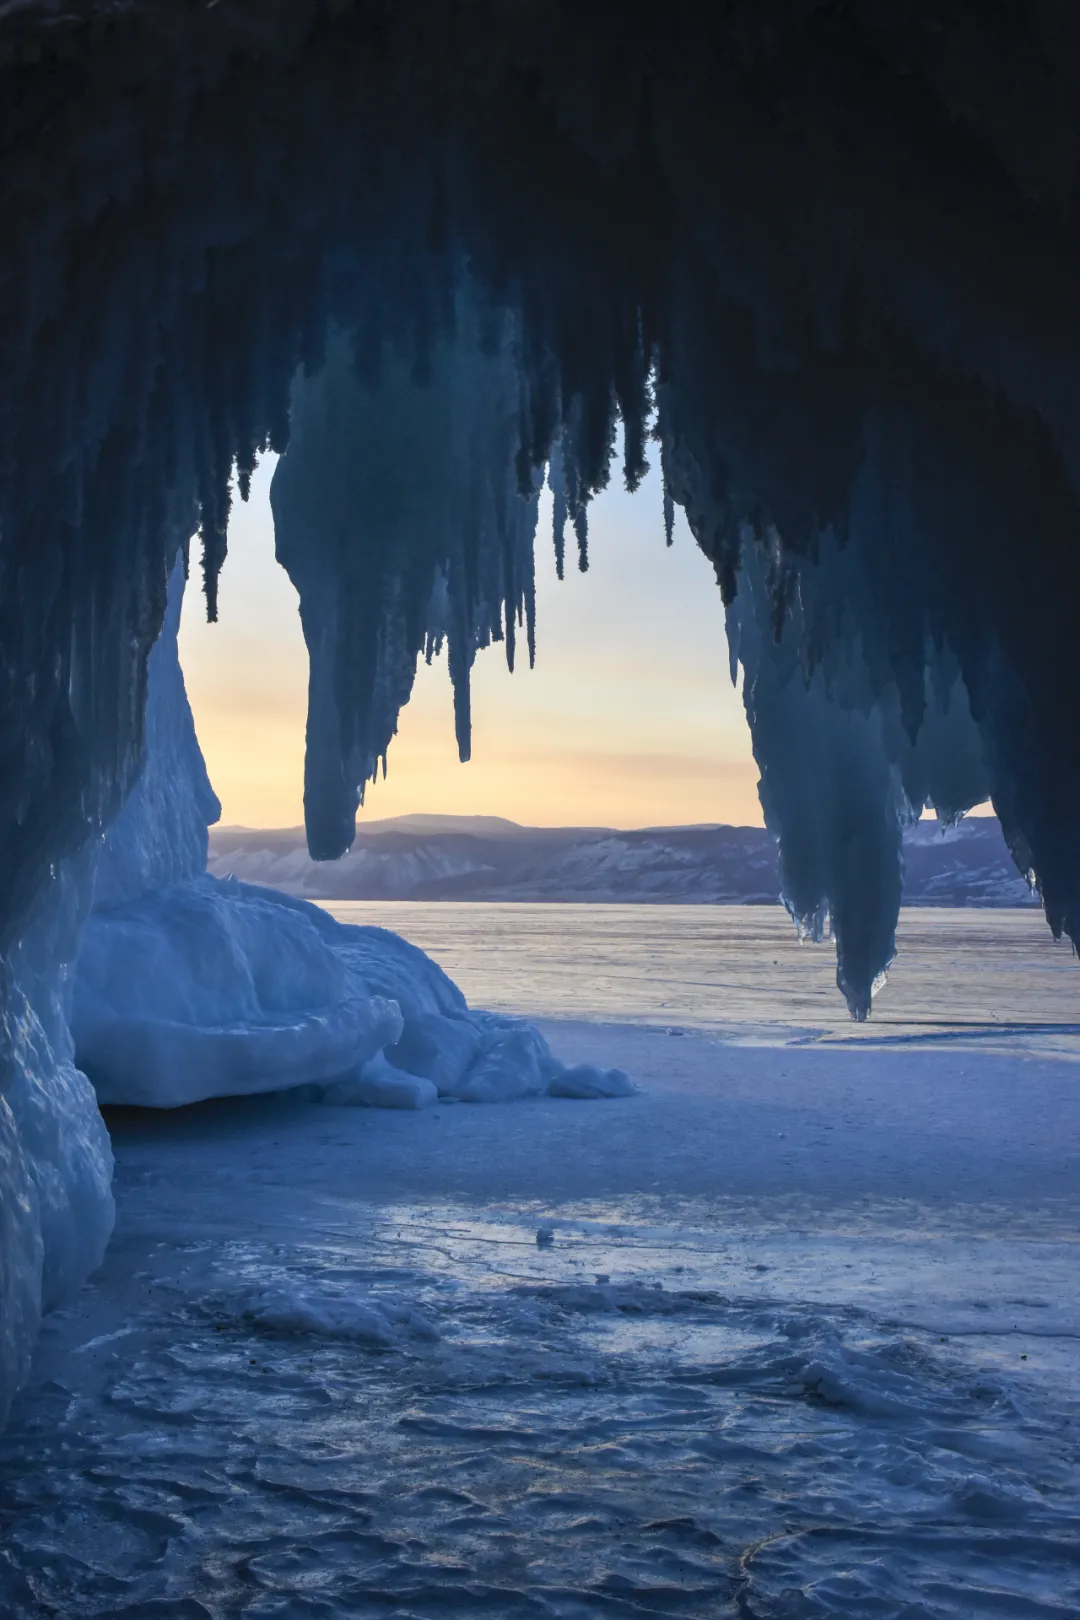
795 1332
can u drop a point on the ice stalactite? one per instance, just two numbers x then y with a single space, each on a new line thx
826 791
398 516
840 775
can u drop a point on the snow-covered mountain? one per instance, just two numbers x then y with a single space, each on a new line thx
487 858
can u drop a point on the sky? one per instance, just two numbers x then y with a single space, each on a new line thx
628 720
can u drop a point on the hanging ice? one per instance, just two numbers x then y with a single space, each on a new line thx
398 516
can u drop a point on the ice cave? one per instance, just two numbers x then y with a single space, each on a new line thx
817 261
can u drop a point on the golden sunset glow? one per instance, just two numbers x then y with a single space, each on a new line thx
629 718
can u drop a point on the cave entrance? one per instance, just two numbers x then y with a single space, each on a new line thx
627 720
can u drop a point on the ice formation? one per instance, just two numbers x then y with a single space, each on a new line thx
215 988
189 986
836 248
56 1209
398 518
160 835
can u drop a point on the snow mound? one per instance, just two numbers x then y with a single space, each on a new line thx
379 1085
208 988
515 1061
588 1081
440 1049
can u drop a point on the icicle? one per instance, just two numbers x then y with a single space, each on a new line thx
581 529
559 508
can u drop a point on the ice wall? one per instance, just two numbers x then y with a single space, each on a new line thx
56 1208
160 835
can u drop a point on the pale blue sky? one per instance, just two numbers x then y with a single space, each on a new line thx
629 718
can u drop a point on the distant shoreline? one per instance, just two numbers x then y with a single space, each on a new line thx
488 860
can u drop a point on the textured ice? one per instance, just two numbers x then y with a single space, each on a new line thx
336 1362
379 1322
212 989
56 1207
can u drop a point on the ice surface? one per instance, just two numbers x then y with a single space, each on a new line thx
805 1325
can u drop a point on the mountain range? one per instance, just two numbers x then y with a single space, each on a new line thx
424 857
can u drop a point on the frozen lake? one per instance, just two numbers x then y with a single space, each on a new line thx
739 968
804 1343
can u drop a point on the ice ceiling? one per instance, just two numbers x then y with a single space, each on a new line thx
826 254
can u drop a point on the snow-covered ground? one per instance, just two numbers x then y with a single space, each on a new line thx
794 1332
